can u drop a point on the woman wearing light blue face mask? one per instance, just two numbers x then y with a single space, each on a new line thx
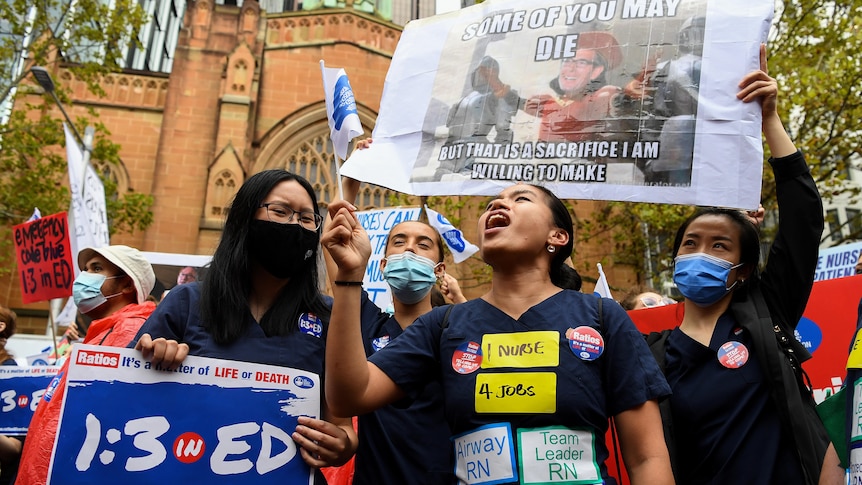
112 289
410 276
740 409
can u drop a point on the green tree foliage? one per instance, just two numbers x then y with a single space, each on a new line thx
89 38
813 52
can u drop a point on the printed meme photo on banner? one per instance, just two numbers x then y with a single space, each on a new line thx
613 100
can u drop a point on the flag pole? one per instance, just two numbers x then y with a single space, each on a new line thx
338 175
334 151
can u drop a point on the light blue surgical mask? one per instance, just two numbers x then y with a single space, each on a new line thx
87 291
702 278
410 276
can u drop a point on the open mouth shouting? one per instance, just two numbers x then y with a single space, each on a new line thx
496 219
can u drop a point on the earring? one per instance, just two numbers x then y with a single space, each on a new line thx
551 248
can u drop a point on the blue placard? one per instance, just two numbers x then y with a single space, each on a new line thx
213 421
20 391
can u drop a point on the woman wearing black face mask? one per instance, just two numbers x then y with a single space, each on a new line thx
260 301
740 410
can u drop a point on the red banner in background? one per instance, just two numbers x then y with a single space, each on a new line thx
44 258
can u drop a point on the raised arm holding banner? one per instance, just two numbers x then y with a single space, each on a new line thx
615 100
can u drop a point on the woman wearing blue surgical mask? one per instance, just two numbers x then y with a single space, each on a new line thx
409 275
741 410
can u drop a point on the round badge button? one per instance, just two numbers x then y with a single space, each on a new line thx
586 342
467 358
733 355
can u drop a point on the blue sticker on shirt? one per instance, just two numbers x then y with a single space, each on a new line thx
380 342
309 324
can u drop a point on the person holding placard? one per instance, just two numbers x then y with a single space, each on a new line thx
260 302
742 407
530 373
112 289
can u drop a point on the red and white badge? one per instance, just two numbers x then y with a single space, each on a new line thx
733 354
586 342
467 358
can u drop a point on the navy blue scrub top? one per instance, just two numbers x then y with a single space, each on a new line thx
727 427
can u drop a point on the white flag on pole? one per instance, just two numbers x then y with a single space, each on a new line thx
344 123
602 289
454 238
88 213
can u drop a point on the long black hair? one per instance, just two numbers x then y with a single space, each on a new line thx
225 290
563 220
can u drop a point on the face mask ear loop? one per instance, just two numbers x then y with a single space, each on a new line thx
738 280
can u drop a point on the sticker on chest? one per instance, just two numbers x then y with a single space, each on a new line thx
380 342
557 454
516 392
310 324
586 342
733 354
521 349
467 358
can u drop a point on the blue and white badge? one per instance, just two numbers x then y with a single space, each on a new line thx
485 455
733 354
309 324
586 342
380 342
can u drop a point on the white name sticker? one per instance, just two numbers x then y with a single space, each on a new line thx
485 455
856 420
855 468
557 454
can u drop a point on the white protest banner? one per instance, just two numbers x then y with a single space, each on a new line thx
598 100
20 391
88 214
837 262
209 421
378 223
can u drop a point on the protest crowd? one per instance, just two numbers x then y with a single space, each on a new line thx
535 381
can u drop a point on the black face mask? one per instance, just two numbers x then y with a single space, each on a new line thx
284 250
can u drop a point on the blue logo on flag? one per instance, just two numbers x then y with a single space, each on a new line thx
343 103
809 334
454 240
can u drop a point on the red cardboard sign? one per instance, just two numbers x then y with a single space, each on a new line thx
43 249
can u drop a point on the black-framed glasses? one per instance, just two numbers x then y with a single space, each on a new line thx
283 214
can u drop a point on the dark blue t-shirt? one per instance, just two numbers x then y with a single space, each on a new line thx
528 399
401 445
177 317
727 427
